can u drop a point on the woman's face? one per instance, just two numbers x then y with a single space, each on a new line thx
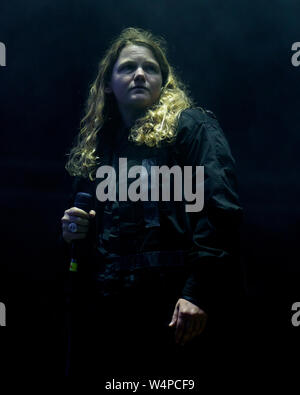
136 79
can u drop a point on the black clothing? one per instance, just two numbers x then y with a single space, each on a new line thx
155 249
135 240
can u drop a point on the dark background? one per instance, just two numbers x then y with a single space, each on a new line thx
235 56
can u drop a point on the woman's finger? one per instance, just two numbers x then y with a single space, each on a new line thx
188 330
179 329
77 212
202 323
80 229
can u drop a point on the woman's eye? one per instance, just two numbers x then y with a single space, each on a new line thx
129 68
126 67
151 69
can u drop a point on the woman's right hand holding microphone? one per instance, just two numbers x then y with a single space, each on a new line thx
81 219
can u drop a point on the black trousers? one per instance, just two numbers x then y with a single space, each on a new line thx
129 336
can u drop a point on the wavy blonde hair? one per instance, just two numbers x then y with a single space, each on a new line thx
159 122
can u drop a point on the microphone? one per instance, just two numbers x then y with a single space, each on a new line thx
83 201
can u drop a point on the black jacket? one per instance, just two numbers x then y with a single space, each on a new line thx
157 244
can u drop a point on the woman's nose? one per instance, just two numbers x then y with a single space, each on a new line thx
139 74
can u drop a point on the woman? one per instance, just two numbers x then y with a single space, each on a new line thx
160 266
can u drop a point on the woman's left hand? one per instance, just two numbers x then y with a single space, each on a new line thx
189 321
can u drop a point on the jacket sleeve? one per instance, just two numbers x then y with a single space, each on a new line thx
213 256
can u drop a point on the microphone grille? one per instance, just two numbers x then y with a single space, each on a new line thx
83 201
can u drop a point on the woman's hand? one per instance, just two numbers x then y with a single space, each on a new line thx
189 321
81 219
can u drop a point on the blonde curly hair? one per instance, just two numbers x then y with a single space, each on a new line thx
159 122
